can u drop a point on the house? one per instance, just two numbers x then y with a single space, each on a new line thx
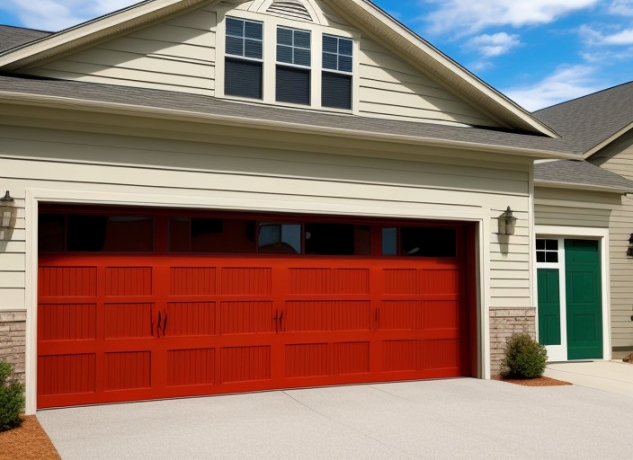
228 196
576 199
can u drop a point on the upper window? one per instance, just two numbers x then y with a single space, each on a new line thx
244 54
419 242
336 85
293 66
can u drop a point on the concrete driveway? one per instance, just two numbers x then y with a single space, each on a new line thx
444 419
611 376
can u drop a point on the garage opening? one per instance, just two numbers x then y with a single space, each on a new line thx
138 304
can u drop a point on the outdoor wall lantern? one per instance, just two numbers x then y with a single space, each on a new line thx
507 222
629 252
8 216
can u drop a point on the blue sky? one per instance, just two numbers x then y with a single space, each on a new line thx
537 52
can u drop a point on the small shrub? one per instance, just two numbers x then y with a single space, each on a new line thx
524 358
11 398
628 358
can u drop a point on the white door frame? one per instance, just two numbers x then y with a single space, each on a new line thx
562 233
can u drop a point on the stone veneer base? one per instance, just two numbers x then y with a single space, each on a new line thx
504 322
13 340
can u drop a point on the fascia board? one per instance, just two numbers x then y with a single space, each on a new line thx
607 141
84 34
578 186
444 69
63 103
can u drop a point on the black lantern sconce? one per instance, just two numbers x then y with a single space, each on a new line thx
507 223
8 216
629 251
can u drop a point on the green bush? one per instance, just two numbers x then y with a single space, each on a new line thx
524 358
11 398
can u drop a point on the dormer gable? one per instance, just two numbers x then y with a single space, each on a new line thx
313 57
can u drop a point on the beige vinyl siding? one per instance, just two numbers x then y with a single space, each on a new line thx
13 262
268 179
391 88
618 158
178 55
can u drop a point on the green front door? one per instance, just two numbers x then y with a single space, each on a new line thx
584 299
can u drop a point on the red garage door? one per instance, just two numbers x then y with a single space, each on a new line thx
136 306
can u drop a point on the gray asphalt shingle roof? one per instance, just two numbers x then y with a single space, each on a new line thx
11 37
580 173
587 121
200 104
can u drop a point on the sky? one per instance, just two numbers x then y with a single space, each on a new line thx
537 52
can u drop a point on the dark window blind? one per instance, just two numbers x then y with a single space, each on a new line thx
243 78
336 91
293 85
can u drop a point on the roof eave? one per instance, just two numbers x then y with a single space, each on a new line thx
96 30
607 141
63 103
579 186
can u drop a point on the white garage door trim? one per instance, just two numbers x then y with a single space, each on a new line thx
251 202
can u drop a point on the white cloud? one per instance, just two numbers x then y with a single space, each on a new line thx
567 82
55 15
471 16
594 37
621 7
493 45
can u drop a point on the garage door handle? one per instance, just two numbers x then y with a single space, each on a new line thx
160 320
165 326
281 321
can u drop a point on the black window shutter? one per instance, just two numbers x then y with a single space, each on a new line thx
243 78
336 91
293 85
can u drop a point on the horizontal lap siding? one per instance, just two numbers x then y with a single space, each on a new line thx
178 55
620 230
391 88
260 178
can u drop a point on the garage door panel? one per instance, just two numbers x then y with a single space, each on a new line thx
442 354
246 281
307 360
192 281
400 281
192 367
403 315
245 364
402 355
190 319
327 281
350 358
67 321
327 315
250 317
442 315
129 370
443 281
128 281
66 374
67 281
129 320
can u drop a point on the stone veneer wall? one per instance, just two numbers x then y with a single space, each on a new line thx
504 322
13 340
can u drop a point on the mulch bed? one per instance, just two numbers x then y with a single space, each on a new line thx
538 382
27 442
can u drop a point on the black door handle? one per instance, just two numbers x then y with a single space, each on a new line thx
165 325
160 320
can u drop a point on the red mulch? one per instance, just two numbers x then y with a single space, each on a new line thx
27 442
537 382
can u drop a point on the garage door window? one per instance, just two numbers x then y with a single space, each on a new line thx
217 236
419 242
337 239
277 238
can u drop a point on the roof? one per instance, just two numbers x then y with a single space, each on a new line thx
11 37
231 112
579 175
361 13
590 122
